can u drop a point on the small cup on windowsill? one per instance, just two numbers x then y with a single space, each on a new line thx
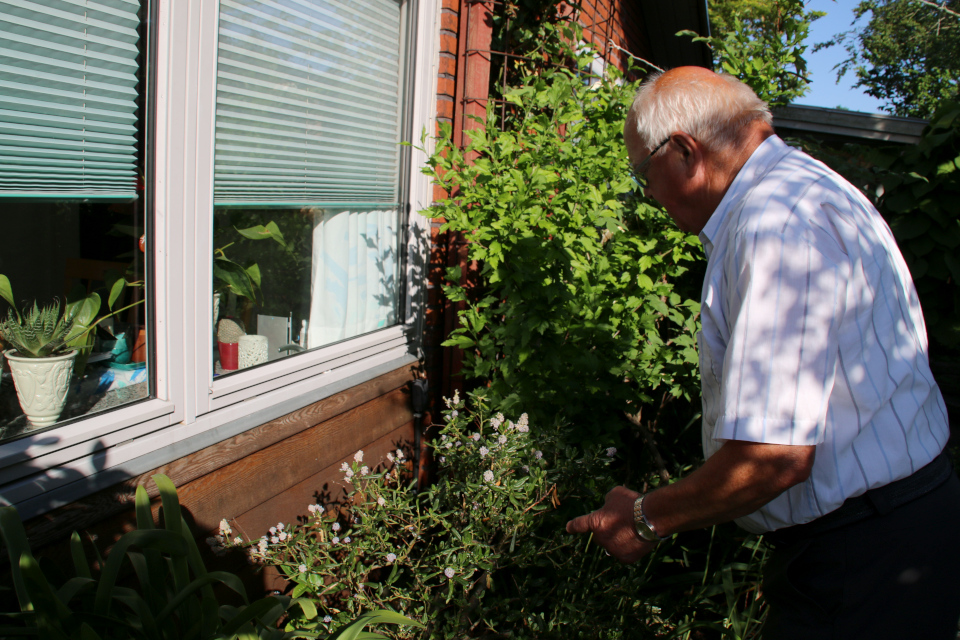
229 332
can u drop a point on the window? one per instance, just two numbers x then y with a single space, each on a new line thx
189 142
73 188
307 171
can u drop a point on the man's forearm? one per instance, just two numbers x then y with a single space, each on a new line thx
739 479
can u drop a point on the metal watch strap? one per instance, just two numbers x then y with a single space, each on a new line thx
642 525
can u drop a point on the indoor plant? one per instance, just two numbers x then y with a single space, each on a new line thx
43 346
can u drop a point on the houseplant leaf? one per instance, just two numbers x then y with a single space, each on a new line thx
6 292
260 232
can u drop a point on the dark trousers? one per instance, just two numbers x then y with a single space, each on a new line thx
895 576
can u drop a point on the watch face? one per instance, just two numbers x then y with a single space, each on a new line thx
645 532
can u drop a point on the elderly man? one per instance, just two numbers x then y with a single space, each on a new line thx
822 425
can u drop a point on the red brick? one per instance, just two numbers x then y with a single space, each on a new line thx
449 20
448 64
439 193
453 5
446 87
444 108
448 43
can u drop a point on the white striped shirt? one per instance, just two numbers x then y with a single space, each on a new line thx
812 334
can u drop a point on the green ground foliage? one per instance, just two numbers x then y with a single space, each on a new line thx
482 553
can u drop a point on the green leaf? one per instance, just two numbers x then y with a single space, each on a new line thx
234 277
6 292
260 608
115 292
80 566
15 539
163 540
260 232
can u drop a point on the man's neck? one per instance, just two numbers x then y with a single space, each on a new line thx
728 164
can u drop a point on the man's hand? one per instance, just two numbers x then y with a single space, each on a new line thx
613 528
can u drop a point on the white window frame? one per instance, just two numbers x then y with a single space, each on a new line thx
192 409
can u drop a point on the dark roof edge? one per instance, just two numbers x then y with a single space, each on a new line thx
854 124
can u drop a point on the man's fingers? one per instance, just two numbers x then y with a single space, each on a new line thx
580 524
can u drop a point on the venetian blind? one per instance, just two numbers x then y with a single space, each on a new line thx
308 103
68 98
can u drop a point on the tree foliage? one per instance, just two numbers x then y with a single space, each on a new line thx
908 53
762 43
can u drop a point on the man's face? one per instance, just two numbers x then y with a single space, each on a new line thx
666 179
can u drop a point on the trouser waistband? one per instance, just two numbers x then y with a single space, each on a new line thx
880 500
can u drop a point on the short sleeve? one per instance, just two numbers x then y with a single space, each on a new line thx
783 321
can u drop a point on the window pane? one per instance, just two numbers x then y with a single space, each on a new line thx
73 115
307 165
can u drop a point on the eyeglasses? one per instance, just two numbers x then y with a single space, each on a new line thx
639 168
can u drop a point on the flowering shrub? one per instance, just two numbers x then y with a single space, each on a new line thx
434 555
484 551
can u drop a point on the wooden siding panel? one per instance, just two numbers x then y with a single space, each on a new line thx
324 486
268 472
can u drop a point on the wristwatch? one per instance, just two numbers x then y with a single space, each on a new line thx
644 530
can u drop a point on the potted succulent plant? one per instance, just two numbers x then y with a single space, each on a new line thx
43 346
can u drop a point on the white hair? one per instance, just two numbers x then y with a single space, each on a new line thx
713 113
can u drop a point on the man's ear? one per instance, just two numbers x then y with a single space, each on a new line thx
691 152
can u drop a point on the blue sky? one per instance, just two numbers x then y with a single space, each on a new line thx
824 91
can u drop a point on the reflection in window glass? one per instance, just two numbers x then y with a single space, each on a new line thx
307 166
73 113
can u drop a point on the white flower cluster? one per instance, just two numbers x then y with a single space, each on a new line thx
315 509
454 401
488 475
218 543
391 558
523 424
449 572
611 451
496 421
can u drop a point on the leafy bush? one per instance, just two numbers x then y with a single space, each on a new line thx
581 283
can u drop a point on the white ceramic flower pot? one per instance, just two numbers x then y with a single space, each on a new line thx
42 385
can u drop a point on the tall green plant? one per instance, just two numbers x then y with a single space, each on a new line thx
584 304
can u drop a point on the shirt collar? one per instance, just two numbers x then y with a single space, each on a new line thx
754 169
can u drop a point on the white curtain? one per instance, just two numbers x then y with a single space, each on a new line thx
354 286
